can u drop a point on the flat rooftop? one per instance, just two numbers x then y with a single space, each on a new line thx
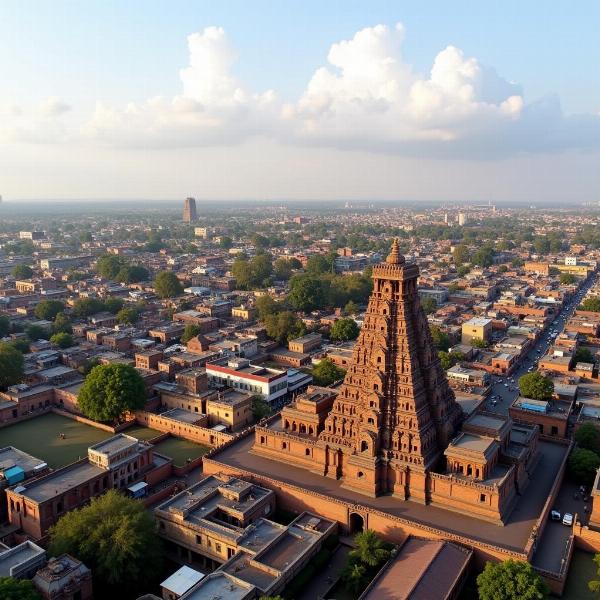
60 481
180 414
17 555
13 457
513 535
221 585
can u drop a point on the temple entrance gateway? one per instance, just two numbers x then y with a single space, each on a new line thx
357 523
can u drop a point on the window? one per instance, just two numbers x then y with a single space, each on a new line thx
482 498
218 548
199 539
307 452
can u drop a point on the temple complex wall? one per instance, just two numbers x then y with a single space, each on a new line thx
390 527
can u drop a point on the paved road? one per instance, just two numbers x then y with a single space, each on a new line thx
550 549
506 387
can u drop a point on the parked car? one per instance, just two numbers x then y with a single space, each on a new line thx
555 515
567 519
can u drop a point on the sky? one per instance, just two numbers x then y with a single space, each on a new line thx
328 100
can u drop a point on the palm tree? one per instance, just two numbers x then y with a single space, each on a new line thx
353 577
369 549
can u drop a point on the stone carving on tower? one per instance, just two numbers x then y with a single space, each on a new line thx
395 412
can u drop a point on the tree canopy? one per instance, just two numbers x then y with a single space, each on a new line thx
62 324
85 307
62 340
429 305
167 285
591 304
18 589
511 580
189 332
325 373
128 315
583 355
588 437
344 330
48 309
115 536
583 465
22 272
11 365
4 325
535 385
440 338
254 273
284 326
111 390
109 265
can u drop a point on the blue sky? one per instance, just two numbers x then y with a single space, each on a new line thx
133 49
121 52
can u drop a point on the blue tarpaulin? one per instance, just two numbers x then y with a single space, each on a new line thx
14 475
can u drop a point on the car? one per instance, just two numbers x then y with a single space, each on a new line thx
567 519
555 515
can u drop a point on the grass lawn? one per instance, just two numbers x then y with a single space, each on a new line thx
40 437
141 433
180 450
583 569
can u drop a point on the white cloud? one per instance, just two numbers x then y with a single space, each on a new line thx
53 107
367 98
214 108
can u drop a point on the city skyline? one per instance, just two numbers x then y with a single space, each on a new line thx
366 103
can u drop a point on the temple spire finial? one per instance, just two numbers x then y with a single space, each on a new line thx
394 257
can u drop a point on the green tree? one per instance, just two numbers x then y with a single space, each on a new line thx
449 359
440 338
478 343
370 548
260 408
511 580
320 263
62 324
167 285
113 305
282 269
132 274
284 326
429 305
48 309
461 254
261 267
354 577
109 265
591 304
11 365
484 257
583 465
85 307
583 355
594 585
4 325
567 278
325 373
462 271
344 330
535 385
62 340
36 332
116 537
17 589
128 315
111 390
306 293
22 272
266 305
588 437
351 308
225 242
190 331
242 272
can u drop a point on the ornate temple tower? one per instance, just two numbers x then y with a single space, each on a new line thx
395 412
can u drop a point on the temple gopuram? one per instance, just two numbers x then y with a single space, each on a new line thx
394 427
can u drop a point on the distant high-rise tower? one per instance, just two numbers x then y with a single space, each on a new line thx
189 210
462 219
